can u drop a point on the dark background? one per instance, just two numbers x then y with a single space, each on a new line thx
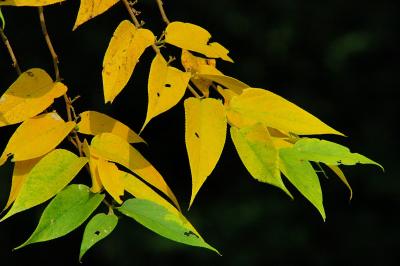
337 59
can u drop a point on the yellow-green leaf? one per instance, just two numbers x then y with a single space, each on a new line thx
194 38
36 137
124 50
262 106
29 95
49 176
94 123
28 2
205 133
342 177
166 87
259 155
97 186
115 149
92 8
112 179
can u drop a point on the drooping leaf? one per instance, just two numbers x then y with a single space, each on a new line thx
330 153
36 137
49 176
112 179
28 2
92 8
302 175
205 133
98 228
66 212
163 222
123 52
29 95
259 155
118 150
262 106
166 87
342 177
94 123
194 38
97 186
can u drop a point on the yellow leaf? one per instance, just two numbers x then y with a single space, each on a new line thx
113 148
94 123
97 186
166 87
262 106
342 177
29 95
92 8
194 38
205 133
227 94
112 179
36 137
123 52
28 2
21 171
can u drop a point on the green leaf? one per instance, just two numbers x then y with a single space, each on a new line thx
259 154
3 21
163 222
302 175
99 227
49 176
67 211
330 153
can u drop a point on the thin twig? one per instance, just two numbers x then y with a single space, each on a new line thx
193 91
10 51
162 11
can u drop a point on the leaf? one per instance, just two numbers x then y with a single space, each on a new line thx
194 38
36 137
205 133
262 106
259 155
94 123
98 228
163 222
342 177
166 87
66 212
97 186
21 171
92 8
28 2
329 153
123 52
302 175
118 150
3 21
112 179
50 175
29 95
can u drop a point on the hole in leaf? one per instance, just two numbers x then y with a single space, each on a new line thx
197 135
190 233
97 233
158 94
167 85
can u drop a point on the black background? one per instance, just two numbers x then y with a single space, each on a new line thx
336 59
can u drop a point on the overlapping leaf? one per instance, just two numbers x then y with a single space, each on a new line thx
93 165
36 137
194 38
342 177
29 95
112 179
28 2
123 52
205 133
166 87
92 8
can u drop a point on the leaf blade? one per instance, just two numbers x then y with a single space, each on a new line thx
89 9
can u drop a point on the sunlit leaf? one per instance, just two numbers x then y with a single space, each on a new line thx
194 38
262 106
166 87
112 179
302 175
66 212
115 149
28 2
36 137
123 53
342 177
98 228
163 222
50 175
205 132
94 123
29 95
97 186
259 154
92 8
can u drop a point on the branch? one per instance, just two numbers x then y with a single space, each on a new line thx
10 52
162 11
